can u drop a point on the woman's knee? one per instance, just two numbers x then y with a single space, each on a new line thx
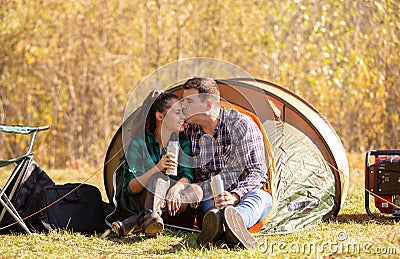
158 179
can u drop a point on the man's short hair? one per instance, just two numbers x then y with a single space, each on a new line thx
204 85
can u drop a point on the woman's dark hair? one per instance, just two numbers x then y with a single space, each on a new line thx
160 104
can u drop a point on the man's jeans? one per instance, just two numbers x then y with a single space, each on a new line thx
253 207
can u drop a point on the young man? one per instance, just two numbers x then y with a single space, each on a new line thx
230 144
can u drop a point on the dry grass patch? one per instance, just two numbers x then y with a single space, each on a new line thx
352 234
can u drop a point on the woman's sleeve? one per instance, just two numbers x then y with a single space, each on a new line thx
133 157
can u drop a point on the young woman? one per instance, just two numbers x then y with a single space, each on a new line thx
146 184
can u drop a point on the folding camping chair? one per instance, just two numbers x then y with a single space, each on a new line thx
23 162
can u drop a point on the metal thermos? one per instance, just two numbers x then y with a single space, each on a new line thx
217 185
173 147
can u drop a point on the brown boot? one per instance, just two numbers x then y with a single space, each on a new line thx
123 228
157 188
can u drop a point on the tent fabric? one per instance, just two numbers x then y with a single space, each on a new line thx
305 185
297 112
309 174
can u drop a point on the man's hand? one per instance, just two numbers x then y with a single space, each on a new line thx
226 199
173 198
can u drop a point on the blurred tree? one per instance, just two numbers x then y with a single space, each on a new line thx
74 64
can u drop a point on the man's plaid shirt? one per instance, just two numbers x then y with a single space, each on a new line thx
236 151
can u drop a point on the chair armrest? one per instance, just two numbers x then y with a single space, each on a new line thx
21 129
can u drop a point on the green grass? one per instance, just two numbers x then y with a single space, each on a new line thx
352 234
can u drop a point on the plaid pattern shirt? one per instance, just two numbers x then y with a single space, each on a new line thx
236 151
144 153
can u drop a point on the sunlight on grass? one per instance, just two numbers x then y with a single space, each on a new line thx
352 234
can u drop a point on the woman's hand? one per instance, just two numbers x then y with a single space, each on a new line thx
226 199
167 161
173 198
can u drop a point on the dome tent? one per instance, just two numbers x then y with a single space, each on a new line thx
309 168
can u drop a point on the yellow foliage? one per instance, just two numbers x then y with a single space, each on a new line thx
73 64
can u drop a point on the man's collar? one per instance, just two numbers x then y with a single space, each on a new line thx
220 120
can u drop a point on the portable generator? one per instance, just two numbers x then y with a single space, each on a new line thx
382 180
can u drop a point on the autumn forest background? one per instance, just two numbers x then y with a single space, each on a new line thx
73 64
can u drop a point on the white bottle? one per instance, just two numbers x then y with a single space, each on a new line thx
217 185
173 147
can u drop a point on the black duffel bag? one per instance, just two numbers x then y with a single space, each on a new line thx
26 199
77 207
